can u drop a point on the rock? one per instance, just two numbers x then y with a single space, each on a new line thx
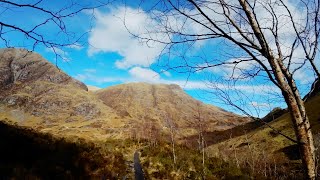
18 114
19 65
87 110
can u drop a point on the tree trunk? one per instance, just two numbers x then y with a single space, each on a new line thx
173 148
304 136
299 118
291 95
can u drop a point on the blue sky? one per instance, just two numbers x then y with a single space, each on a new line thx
108 55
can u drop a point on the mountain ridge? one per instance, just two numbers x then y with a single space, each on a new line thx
35 93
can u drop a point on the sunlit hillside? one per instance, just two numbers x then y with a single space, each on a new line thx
263 149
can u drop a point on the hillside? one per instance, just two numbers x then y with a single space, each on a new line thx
35 93
166 106
130 117
28 154
261 146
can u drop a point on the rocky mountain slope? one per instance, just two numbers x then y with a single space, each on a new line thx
35 93
166 107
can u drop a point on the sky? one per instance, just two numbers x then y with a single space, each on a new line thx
108 54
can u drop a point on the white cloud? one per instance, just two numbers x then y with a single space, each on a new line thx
187 85
90 70
138 74
93 78
303 76
76 46
110 35
238 70
59 52
93 88
166 73
144 75
257 104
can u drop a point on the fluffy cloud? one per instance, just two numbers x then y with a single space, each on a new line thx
110 34
91 77
139 74
144 74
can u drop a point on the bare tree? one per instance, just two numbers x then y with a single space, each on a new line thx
172 128
43 23
274 39
201 130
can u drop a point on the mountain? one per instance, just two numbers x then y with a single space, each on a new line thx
35 93
315 89
93 88
166 106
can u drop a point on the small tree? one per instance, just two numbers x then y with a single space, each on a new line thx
172 128
201 130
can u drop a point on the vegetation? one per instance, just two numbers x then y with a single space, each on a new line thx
266 152
27 154
157 162
248 151
260 44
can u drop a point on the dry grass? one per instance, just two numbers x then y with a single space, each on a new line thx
264 147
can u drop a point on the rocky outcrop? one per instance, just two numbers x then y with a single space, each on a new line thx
86 110
31 83
21 66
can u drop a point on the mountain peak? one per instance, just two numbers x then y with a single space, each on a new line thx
21 66
147 84
156 102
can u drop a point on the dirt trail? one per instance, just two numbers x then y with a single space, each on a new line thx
138 172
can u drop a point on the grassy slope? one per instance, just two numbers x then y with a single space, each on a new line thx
71 111
165 104
263 144
53 108
28 154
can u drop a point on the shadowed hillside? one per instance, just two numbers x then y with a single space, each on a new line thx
27 154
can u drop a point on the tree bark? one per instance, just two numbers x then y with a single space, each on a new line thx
299 118
303 134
